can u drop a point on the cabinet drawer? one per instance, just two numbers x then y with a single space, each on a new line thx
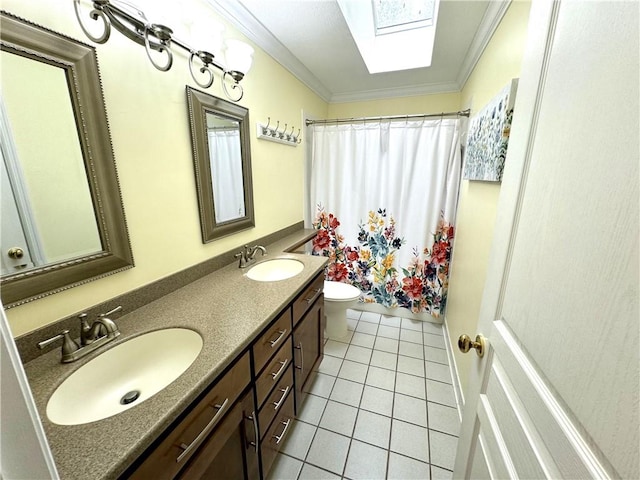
275 401
276 434
274 371
183 440
271 340
304 301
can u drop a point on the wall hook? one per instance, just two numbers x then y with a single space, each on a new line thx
265 129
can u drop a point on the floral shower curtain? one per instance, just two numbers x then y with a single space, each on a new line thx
384 196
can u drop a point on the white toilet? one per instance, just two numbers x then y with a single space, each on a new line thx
338 297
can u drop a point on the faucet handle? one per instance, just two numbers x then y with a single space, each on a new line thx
111 312
68 345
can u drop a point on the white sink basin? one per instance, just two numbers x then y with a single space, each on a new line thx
144 364
276 269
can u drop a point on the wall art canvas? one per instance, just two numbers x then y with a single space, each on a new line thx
488 137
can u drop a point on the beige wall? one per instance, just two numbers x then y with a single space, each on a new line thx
499 63
148 120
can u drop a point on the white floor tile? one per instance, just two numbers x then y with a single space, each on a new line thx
440 393
363 340
389 332
443 449
367 327
390 321
430 327
377 400
370 317
381 378
410 409
411 336
354 371
312 409
347 392
285 468
433 340
358 354
410 440
352 324
309 472
330 365
366 462
299 439
339 418
328 451
346 338
384 360
386 345
322 385
373 428
335 349
405 468
434 354
410 385
438 473
354 314
410 365
438 371
444 419
409 349
410 324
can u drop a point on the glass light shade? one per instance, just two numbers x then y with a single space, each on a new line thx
238 56
208 37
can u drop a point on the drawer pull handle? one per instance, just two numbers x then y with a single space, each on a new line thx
205 431
254 420
282 333
316 294
301 366
283 365
276 405
284 431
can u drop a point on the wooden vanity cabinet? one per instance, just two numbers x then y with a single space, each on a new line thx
308 342
238 426
213 435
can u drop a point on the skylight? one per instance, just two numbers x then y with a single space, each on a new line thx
392 34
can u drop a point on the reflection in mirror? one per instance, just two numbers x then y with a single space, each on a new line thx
45 176
62 218
222 160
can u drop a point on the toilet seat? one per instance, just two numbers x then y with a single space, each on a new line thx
340 292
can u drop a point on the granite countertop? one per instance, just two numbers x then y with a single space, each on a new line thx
228 309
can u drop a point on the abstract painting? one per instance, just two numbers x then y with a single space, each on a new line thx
488 137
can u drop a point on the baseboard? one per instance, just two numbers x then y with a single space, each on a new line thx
453 369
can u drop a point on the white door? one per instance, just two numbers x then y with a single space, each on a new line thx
556 393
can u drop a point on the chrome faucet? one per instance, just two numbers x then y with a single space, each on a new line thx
248 255
102 331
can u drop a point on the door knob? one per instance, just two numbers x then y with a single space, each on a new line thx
465 344
15 252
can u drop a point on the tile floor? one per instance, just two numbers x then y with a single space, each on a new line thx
382 406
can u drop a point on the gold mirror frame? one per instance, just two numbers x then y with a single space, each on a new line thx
80 65
200 104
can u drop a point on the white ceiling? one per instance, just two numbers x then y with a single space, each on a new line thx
311 39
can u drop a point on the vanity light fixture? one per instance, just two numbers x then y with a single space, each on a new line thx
133 24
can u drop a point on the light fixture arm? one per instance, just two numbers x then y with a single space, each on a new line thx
133 24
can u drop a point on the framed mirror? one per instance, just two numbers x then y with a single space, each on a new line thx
63 222
222 161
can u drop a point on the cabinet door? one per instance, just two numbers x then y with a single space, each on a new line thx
231 448
308 347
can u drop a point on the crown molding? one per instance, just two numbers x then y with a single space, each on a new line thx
490 21
395 92
235 13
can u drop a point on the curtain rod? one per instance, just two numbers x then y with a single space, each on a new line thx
460 113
